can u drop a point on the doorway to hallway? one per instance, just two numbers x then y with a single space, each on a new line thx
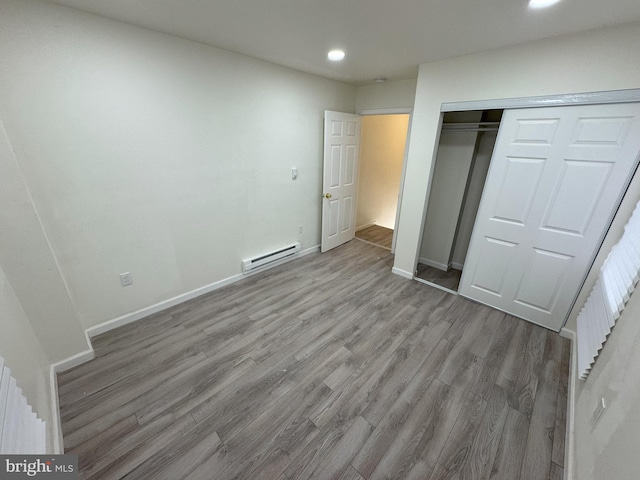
382 153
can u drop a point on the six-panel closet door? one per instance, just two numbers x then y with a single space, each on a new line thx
556 178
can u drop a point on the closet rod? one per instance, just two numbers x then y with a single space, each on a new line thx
466 130
469 124
471 127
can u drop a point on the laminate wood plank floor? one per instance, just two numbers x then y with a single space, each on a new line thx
449 279
376 235
326 367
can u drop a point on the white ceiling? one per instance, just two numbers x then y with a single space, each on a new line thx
382 38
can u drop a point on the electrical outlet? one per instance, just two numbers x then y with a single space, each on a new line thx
300 229
125 279
597 413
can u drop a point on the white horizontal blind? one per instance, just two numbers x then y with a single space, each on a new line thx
618 278
21 431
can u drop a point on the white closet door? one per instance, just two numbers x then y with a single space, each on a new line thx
556 179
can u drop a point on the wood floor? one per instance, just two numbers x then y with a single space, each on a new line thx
376 235
449 279
328 367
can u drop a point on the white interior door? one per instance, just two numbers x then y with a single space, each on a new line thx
341 148
556 178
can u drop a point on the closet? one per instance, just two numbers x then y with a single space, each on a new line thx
515 220
464 153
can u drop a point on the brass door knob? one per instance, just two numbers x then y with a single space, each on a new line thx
327 195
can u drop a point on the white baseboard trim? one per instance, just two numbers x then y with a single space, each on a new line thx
431 263
457 266
402 273
362 227
56 424
309 251
54 369
73 361
567 333
569 451
160 306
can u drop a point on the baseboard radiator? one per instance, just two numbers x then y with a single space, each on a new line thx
21 431
617 280
269 259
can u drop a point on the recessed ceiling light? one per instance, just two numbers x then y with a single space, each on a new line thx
335 55
542 3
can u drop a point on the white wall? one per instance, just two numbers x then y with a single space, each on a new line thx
30 266
382 146
154 155
594 61
451 172
397 94
38 324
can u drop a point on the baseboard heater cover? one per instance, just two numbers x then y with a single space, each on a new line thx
268 259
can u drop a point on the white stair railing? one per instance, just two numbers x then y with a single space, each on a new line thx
21 431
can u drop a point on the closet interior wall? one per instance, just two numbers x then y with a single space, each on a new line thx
462 162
